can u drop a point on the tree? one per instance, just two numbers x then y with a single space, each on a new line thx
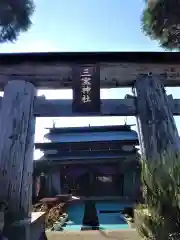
15 17
159 217
161 22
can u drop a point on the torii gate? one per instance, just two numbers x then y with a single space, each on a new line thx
22 74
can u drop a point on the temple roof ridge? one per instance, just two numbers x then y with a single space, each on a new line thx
90 128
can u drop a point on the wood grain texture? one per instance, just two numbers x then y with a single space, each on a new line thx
157 126
58 75
62 108
17 126
109 107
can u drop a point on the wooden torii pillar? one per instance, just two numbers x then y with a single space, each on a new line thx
17 125
157 128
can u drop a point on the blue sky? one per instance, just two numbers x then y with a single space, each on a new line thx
85 25
79 25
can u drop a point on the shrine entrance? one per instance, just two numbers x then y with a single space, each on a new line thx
106 185
105 181
85 73
92 180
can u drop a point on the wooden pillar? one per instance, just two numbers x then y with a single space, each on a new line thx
17 126
157 128
34 188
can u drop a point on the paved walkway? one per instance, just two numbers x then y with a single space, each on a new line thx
95 235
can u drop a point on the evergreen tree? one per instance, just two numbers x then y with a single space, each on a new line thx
159 216
15 17
161 22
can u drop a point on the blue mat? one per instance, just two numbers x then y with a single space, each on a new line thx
111 206
75 215
114 226
111 221
108 221
72 228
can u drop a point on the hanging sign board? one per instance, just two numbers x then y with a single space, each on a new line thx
86 88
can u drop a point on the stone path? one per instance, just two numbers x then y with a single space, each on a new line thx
95 235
